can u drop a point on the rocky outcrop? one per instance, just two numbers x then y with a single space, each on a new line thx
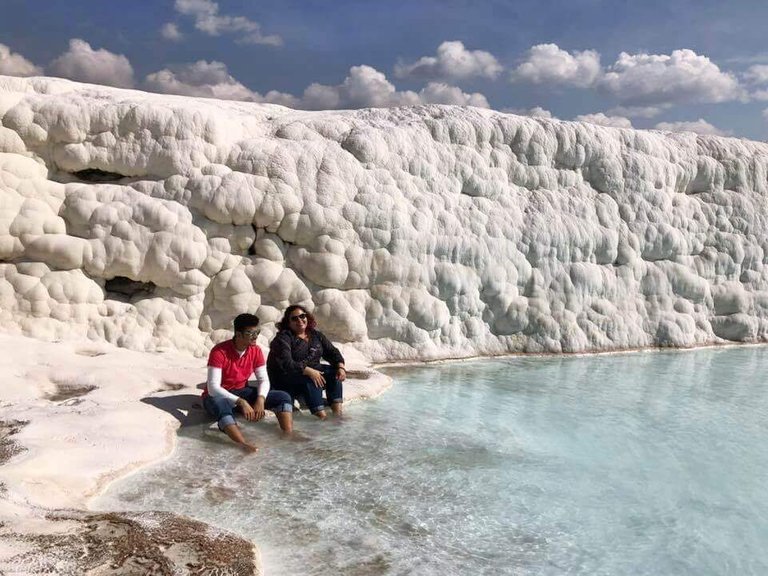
414 233
125 544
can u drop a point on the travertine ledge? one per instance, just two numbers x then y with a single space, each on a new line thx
416 233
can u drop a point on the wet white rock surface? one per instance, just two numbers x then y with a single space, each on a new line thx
76 415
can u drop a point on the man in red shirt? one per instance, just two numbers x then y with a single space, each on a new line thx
230 366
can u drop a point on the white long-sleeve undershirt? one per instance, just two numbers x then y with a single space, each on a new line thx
216 390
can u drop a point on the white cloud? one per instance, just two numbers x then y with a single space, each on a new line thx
321 97
603 120
535 112
759 58
84 64
363 87
282 98
548 64
366 87
208 20
170 31
679 78
638 111
209 80
699 126
13 64
439 93
757 74
201 78
453 61
643 84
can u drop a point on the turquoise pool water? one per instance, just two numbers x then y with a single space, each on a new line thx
644 463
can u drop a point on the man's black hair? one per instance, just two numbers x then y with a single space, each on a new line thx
244 321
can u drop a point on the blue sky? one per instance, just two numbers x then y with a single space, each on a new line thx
699 65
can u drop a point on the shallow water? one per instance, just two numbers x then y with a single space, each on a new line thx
646 463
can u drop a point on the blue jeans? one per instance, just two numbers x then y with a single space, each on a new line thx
299 386
223 411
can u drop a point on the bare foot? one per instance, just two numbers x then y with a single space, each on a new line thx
297 437
249 448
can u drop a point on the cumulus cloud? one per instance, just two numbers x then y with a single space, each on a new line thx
453 61
366 87
603 120
657 79
549 64
439 93
170 31
643 84
208 20
755 58
209 80
535 112
757 74
699 126
84 64
201 78
638 111
13 64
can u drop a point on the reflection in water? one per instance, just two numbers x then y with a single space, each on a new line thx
647 463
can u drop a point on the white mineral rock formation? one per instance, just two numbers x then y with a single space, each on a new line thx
429 232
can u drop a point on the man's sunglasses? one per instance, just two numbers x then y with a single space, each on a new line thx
251 333
298 317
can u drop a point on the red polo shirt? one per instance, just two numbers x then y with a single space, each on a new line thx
235 369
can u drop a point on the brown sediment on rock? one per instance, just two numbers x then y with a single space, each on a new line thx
69 391
171 387
9 448
359 374
125 543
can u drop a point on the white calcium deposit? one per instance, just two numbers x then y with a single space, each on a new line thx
413 233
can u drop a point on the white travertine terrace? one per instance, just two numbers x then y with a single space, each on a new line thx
414 233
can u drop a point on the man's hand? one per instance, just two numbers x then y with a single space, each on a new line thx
258 408
248 412
316 376
341 373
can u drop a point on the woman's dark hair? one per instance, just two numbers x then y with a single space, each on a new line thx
243 321
285 323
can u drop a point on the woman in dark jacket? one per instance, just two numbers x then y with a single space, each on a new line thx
294 365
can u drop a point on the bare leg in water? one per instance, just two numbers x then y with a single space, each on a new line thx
233 431
285 419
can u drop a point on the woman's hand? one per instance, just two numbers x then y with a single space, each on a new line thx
341 373
315 375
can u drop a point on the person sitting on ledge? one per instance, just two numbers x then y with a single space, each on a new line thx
230 365
294 365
